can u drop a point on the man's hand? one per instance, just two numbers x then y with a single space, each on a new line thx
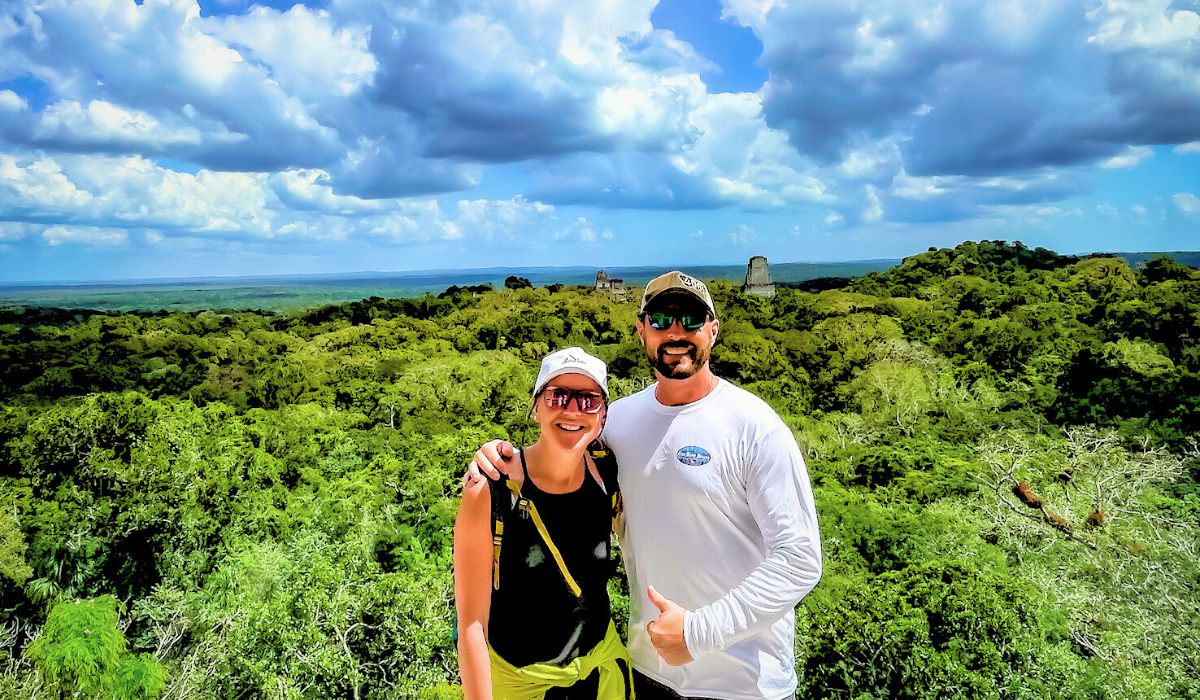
666 633
492 459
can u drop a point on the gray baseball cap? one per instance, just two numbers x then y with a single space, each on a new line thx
677 282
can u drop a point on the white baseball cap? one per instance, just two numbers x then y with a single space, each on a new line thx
572 360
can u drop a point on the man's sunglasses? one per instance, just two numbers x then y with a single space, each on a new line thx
558 397
691 321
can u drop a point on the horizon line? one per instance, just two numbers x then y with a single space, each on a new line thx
369 274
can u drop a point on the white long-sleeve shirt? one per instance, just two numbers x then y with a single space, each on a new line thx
719 517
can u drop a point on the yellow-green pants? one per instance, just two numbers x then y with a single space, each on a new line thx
531 682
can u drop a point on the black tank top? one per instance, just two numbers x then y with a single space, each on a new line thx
535 618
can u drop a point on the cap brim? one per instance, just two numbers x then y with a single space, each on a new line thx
571 370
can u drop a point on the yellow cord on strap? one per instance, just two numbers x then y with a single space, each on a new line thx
541 528
497 539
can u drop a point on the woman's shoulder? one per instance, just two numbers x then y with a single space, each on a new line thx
477 490
606 465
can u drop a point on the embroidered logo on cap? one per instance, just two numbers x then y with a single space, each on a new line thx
693 456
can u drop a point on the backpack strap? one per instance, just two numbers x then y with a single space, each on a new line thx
527 509
501 505
606 465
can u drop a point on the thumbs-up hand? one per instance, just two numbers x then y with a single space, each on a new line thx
666 633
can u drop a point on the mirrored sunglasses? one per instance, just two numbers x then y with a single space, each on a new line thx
560 397
689 320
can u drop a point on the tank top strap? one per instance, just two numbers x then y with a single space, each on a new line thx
524 466
526 482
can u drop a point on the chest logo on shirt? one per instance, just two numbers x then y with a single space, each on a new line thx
693 456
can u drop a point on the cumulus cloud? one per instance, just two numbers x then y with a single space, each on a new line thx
14 230
730 157
1132 156
584 231
661 50
37 189
310 190
1187 202
908 198
501 218
872 211
153 66
979 89
12 102
395 101
743 234
74 199
874 111
90 235
335 61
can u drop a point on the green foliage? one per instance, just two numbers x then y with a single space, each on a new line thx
273 495
81 652
933 630
12 551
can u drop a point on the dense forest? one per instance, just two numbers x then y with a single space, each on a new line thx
1003 444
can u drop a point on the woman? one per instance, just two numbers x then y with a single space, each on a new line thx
532 559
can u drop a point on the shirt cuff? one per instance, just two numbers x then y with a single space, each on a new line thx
691 622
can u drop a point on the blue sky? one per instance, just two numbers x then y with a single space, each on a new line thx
168 138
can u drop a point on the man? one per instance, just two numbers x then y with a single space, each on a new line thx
720 535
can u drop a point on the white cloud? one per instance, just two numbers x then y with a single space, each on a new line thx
869 162
100 122
419 221
1187 202
504 218
862 114
923 188
121 195
1138 209
12 102
746 160
38 187
165 78
584 231
84 235
335 60
1126 24
743 234
310 189
1130 158
873 209
730 156
14 230
1106 209
390 100
914 73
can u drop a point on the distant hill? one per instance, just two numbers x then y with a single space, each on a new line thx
288 292
1183 257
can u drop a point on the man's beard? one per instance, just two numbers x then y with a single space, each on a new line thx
680 368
